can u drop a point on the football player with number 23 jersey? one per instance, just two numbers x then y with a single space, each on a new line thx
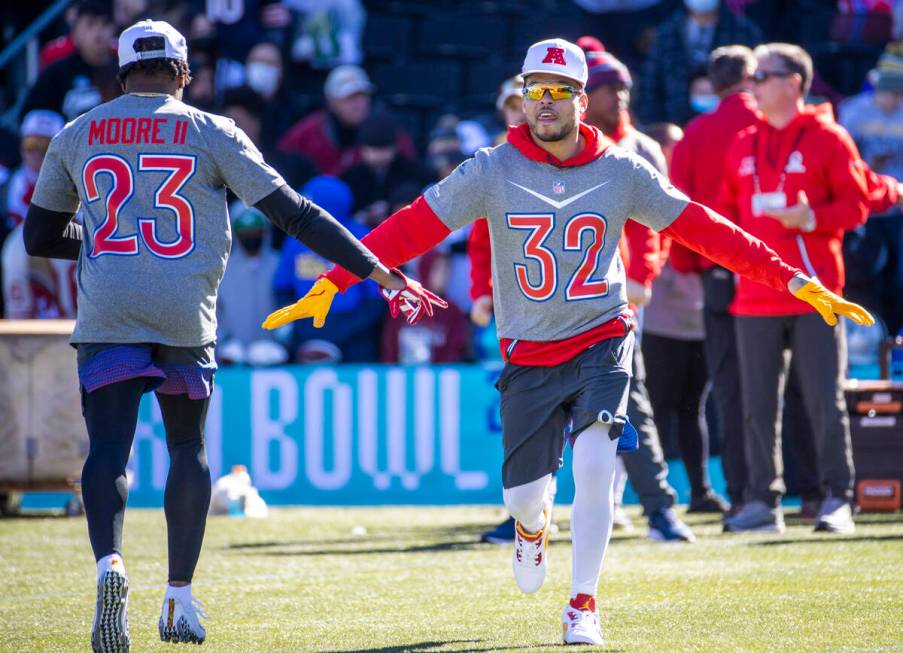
149 175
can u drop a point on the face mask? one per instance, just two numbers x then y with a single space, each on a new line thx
704 103
701 6
262 77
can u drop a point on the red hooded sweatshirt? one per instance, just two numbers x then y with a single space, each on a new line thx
697 165
416 229
812 154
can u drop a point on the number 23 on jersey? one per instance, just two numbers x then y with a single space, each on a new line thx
581 284
176 170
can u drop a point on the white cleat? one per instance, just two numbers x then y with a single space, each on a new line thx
110 633
531 553
580 626
180 621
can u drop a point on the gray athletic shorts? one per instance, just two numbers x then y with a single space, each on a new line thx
542 405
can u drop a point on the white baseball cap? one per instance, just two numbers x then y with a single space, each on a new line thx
558 57
511 87
346 80
41 122
174 44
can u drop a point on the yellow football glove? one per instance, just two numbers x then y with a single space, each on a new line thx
829 305
314 304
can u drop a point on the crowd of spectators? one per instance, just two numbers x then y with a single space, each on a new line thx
293 74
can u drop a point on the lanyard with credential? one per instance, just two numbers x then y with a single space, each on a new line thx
800 243
757 189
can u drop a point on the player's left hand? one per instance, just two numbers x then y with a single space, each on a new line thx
796 216
828 305
314 304
413 301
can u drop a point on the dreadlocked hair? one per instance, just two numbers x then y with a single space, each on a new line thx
175 68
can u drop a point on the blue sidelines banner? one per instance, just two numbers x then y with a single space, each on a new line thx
346 435
355 435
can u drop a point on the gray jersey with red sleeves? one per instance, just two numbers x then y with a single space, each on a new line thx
554 233
150 175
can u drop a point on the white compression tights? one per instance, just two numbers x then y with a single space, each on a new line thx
594 474
594 471
524 502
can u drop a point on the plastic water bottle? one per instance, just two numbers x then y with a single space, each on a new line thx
237 506
237 479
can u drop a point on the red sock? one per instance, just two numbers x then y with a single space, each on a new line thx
584 602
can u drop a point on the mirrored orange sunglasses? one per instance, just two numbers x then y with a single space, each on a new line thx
536 91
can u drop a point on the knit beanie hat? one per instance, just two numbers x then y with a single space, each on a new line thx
890 69
604 68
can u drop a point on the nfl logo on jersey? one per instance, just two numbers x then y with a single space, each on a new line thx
558 188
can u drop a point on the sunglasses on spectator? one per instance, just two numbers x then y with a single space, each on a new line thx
761 76
557 92
31 144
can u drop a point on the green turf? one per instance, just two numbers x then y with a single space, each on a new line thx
417 581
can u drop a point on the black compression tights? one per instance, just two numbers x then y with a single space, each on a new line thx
111 414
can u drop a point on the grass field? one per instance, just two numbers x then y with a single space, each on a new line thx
417 581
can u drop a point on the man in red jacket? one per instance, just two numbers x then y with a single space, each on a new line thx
697 168
795 180
556 197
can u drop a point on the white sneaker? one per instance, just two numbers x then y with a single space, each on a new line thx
835 516
531 553
179 620
621 520
110 633
580 626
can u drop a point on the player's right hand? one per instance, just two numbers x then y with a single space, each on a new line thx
828 305
314 304
413 301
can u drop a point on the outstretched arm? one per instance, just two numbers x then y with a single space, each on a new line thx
704 231
395 241
318 230
406 234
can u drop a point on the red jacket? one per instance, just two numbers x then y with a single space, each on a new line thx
884 191
697 164
415 229
314 138
817 156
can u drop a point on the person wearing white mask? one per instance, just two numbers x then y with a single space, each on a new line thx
265 75
682 44
263 69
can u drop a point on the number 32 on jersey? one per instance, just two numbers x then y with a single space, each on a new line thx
581 284
177 170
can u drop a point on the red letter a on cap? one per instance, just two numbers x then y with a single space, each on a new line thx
555 55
